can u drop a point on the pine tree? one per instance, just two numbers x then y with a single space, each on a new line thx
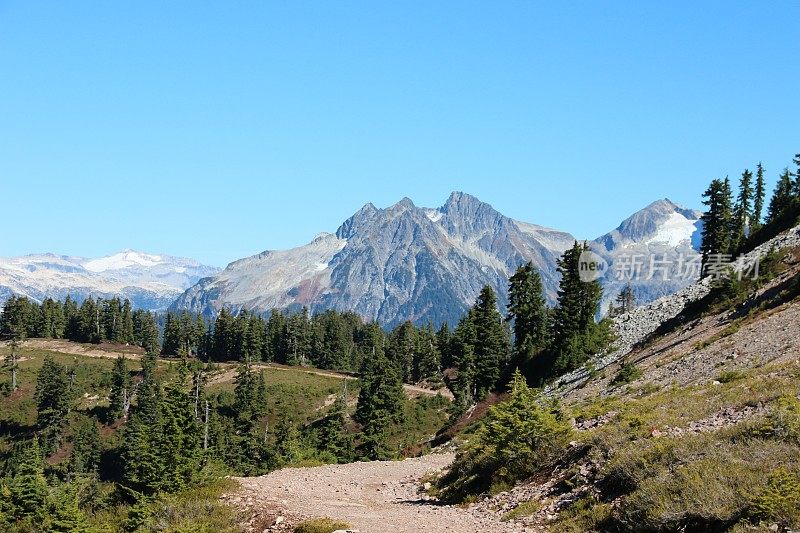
380 400
145 331
781 201
121 390
463 350
492 344
332 434
402 342
743 211
244 393
576 335
86 447
625 301
527 310
53 402
126 333
28 488
181 439
758 199
444 345
172 344
427 359
716 221
66 516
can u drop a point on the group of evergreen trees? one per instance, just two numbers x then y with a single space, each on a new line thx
730 225
95 321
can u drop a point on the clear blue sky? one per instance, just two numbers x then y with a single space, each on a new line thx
218 130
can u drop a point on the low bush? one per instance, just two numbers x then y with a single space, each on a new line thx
518 438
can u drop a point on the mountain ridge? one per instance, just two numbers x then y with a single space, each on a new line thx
405 262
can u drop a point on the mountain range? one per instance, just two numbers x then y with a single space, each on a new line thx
424 264
149 281
399 263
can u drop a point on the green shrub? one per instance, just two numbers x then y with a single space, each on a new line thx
523 509
780 501
730 375
518 438
320 525
628 372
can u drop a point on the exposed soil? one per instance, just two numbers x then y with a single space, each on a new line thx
378 496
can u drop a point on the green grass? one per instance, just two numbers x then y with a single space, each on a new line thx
320 525
522 510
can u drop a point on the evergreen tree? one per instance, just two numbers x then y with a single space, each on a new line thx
781 202
126 332
427 360
576 335
444 345
743 211
380 400
625 301
758 199
180 439
402 343
121 390
145 331
173 341
86 447
67 516
274 347
332 434
463 358
28 488
716 221
527 309
492 343
53 402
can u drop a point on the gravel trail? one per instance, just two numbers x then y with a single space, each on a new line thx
378 496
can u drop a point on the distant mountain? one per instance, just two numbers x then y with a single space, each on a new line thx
416 263
149 281
655 251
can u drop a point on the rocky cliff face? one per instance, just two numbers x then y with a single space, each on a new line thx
414 263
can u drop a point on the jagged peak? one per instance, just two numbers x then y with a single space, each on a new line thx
460 199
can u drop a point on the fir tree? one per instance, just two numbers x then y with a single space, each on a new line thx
121 390
86 447
491 342
172 344
427 360
53 402
781 202
625 301
28 488
576 335
527 310
402 342
716 221
332 434
743 211
380 400
758 199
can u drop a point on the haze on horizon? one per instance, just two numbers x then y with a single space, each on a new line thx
216 131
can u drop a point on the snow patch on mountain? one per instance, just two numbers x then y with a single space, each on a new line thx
676 229
122 260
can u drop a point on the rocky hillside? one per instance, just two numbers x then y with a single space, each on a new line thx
150 281
409 262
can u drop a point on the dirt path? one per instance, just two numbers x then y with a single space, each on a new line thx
378 496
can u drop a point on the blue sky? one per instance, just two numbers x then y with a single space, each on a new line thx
218 130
